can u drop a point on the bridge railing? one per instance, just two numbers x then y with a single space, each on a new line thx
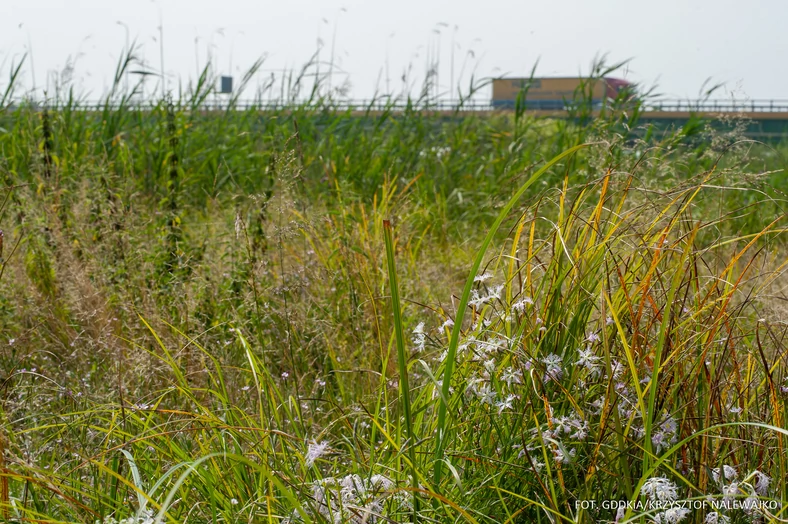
222 104
719 106
443 105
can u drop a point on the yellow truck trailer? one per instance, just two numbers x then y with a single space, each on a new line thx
554 93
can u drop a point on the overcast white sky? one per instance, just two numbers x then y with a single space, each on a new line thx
676 44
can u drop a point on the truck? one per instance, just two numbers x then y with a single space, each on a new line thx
555 93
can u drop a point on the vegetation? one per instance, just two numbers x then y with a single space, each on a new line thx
313 315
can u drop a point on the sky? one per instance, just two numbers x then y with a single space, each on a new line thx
674 46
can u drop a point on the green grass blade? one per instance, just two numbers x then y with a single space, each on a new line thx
402 359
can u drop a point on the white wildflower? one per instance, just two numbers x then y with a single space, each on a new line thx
553 370
664 435
562 425
730 491
716 518
581 431
482 278
355 500
671 516
519 306
473 384
588 360
762 482
486 394
728 473
573 424
419 337
751 505
562 456
496 344
617 368
314 452
381 482
353 488
476 300
505 404
512 376
660 489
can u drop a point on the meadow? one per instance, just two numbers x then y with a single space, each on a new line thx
307 315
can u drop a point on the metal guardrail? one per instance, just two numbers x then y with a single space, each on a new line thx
222 104
720 106
399 105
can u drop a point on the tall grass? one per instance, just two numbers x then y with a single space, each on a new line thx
305 315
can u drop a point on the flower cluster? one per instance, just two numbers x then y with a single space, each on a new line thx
671 515
355 500
436 151
553 368
664 434
508 352
716 518
662 491
576 428
477 300
756 484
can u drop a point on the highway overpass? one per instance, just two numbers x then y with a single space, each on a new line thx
760 119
